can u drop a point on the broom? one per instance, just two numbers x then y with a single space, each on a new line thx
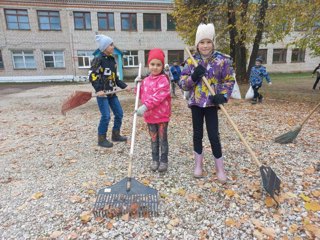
78 98
291 135
127 196
270 180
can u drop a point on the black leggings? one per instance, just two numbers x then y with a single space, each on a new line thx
316 82
256 92
212 124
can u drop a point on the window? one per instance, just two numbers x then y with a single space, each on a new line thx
85 58
1 61
105 21
263 54
130 59
128 22
146 55
82 20
298 55
279 56
175 55
23 60
171 25
49 20
53 59
152 22
17 19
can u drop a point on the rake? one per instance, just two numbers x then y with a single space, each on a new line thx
291 135
78 98
270 180
127 196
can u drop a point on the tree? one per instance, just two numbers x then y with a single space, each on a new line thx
245 25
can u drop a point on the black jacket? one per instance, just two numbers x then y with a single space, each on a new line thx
103 74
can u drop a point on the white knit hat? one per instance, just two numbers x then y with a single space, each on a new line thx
205 31
103 42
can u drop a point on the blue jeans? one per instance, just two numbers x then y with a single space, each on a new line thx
105 103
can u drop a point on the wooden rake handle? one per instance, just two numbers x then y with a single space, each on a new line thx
309 115
204 79
133 135
109 93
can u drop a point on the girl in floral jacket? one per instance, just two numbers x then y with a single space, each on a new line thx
216 67
156 108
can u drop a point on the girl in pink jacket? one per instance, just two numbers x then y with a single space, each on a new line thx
156 108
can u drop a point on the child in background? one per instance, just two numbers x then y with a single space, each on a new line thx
156 108
258 72
176 73
217 68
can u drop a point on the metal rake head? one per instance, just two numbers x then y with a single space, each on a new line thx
270 181
116 201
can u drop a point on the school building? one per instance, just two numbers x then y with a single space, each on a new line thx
53 40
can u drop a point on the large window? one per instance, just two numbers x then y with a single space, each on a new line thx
263 54
49 20
279 55
53 59
23 60
84 59
298 55
152 22
128 21
1 61
17 19
171 24
82 20
105 21
175 55
130 59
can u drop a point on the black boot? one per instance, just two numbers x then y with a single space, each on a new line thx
116 137
254 101
103 142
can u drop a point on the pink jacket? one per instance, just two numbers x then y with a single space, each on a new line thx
155 94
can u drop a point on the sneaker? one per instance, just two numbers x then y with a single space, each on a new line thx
154 165
260 100
163 167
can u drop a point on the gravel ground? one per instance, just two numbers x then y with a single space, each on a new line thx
51 169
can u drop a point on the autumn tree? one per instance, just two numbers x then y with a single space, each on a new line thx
244 25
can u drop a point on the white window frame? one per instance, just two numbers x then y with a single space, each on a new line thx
87 55
55 54
24 54
130 58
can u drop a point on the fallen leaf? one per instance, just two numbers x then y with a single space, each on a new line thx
293 228
145 182
99 219
174 222
72 236
56 234
269 201
304 197
316 193
107 183
258 234
229 192
125 217
312 206
309 170
181 192
37 195
91 192
85 216
109 225
313 229
230 222
194 197
75 199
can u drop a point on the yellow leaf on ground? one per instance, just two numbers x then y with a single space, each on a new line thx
91 192
229 192
85 216
145 181
269 201
312 206
230 222
163 195
181 192
37 195
304 197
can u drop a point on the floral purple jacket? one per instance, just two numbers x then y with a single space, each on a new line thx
219 75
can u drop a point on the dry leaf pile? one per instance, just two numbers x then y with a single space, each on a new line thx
51 170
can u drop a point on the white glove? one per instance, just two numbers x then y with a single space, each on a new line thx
141 110
270 83
137 79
